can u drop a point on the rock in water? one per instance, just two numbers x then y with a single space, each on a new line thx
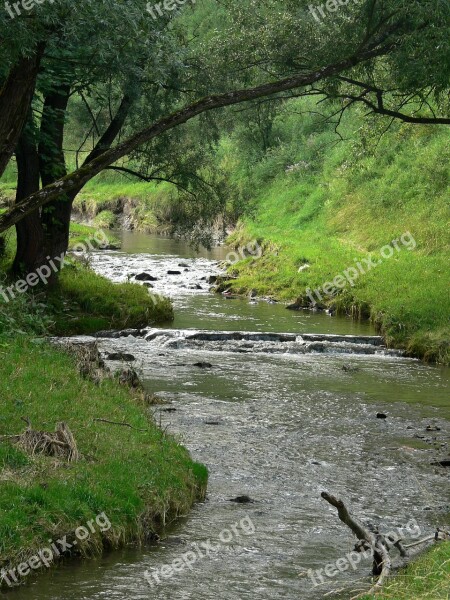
294 306
145 277
242 500
120 356
433 428
203 365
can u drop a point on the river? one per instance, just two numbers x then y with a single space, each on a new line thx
278 418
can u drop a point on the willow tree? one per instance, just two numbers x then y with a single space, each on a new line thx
247 50
78 61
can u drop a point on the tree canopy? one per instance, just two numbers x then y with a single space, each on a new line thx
131 82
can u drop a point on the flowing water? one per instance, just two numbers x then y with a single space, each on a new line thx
277 415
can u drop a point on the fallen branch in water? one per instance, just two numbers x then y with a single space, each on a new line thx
371 538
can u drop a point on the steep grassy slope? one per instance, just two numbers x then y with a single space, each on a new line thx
353 202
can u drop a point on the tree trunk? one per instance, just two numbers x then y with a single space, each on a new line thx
55 216
30 234
15 100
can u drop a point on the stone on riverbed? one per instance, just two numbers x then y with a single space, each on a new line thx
145 277
242 500
120 356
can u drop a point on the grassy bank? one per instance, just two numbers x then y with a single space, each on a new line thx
85 302
350 204
111 200
139 476
427 578
80 233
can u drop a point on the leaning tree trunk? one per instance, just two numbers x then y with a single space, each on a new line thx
30 234
81 176
15 100
56 215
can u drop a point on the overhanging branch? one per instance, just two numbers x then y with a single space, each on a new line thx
149 178
379 107
84 174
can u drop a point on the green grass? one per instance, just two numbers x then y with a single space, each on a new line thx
427 578
85 302
346 210
96 236
139 476
148 205
81 302
140 479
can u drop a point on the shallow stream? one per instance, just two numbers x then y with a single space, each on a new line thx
278 418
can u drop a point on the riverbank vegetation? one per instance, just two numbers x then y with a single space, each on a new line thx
139 476
426 578
329 144
80 301
320 205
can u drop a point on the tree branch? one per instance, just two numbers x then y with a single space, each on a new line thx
81 176
149 178
380 108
